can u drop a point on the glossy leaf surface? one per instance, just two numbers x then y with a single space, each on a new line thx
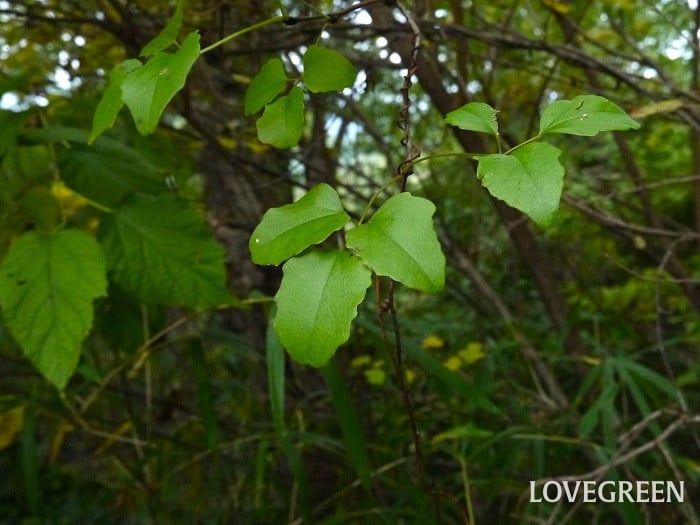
399 241
290 229
530 179
317 302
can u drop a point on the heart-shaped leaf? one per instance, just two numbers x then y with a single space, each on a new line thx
585 115
47 285
530 179
265 86
148 90
475 116
317 302
399 241
327 70
288 230
282 121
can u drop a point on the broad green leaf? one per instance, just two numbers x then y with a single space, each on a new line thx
327 70
282 121
289 230
147 90
475 116
111 102
160 250
168 35
399 241
107 172
265 86
47 285
317 302
585 115
530 179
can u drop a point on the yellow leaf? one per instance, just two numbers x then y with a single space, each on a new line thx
593 361
560 6
433 341
11 422
70 201
57 441
472 353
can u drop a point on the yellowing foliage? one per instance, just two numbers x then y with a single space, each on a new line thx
11 423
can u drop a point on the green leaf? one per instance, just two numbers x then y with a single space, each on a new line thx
111 102
282 121
265 86
274 355
317 302
399 241
160 250
530 179
585 115
47 284
108 171
168 35
350 425
327 70
289 230
147 90
105 172
475 116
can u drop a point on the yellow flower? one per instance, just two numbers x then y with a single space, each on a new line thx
472 353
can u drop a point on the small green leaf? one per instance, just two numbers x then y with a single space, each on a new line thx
282 121
47 285
160 250
167 36
327 70
475 116
585 115
147 90
399 241
530 179
265 86
289 230
111 102
317 302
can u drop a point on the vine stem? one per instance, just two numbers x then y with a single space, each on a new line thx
270 21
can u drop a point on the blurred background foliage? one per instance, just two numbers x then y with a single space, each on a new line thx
570 351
